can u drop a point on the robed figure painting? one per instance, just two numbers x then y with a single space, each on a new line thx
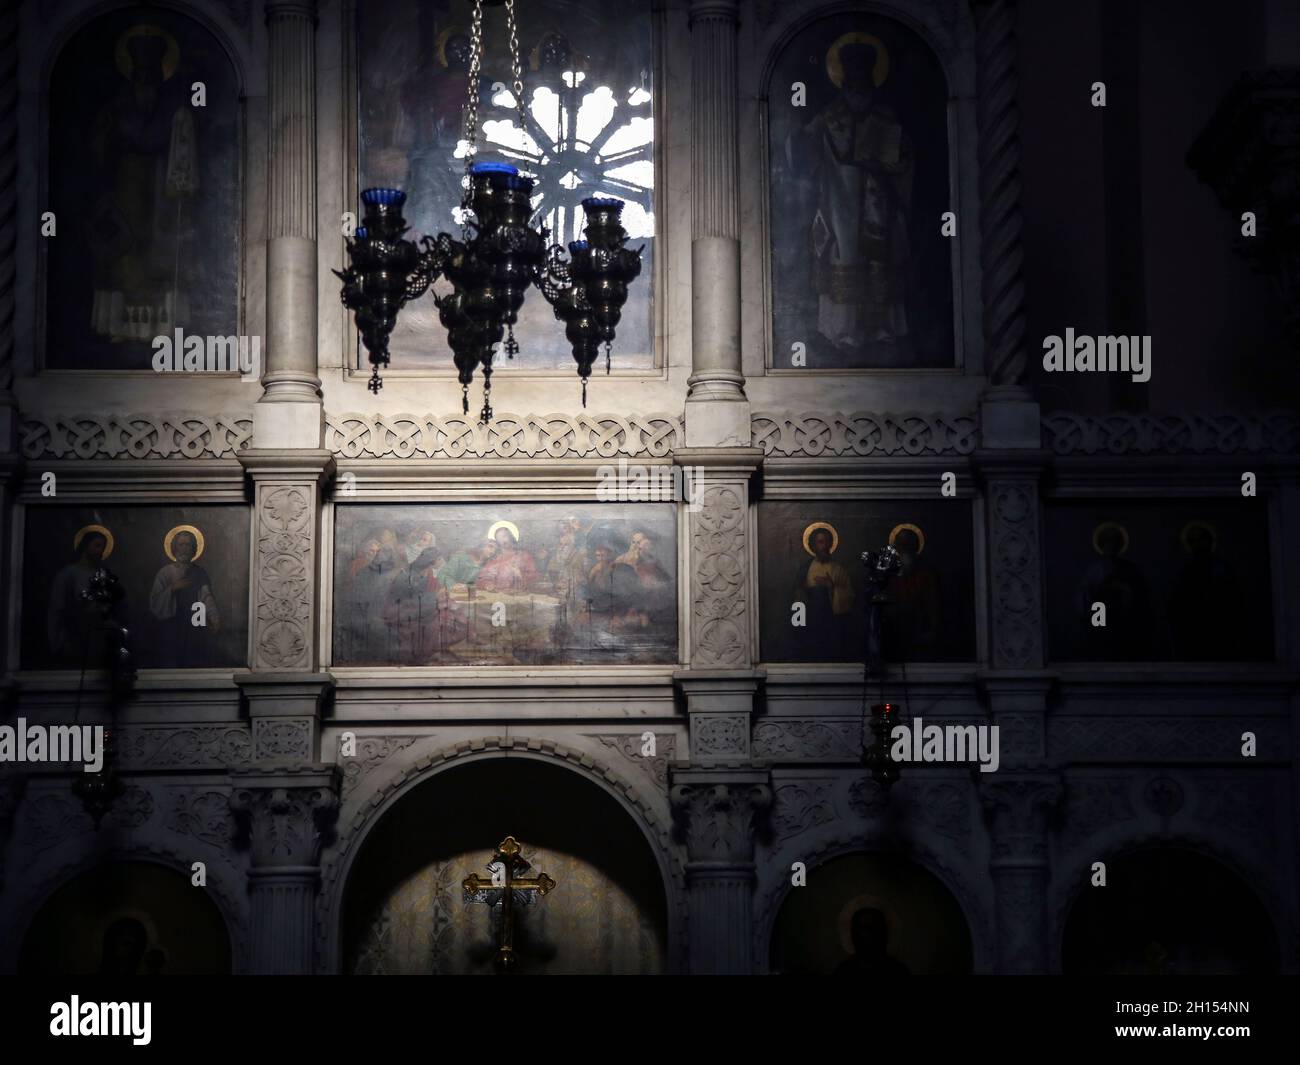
144 188
861 272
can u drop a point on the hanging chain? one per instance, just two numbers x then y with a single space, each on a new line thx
471 106
516 68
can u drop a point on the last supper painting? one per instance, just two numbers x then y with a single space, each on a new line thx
508 584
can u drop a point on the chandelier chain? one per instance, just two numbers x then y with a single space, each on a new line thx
516 67
471 102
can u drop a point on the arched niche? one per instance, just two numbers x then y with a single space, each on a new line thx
1169 911
924 929
126 918
403 910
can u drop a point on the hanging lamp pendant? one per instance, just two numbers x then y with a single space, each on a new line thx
500 253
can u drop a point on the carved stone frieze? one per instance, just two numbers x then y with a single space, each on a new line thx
1013 555
282 740
863 433
183 746
1124 433
719 580
353 435
134 436
797 739
203 814
372 752
285 523
629 745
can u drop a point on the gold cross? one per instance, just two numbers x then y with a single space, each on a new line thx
502 886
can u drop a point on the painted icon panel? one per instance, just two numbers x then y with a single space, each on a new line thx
505 584
811 588
859 180
183 571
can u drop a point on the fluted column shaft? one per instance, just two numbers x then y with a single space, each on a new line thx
718 808
285 810
1018 806
291 356
715 224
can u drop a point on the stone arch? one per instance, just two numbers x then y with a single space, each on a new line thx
353 831
78 861
1073 877
834 841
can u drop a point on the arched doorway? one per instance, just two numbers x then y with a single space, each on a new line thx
403 908
1166 911
870 914
127 918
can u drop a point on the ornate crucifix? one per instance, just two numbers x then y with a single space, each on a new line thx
501 887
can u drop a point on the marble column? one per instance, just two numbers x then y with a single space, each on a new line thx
286 811
1018 807
717 412
720 681
718 810
719 792
290 414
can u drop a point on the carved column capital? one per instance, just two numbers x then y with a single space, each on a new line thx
287 812
718 810
1019 808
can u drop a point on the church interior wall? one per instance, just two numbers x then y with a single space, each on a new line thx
1119 736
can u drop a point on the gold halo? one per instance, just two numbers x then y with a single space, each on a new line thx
171 535
807 533
503 524
867 902
128 912
1196 523
171 57
1110 525
835 66
920 536
81 533
440 43
535 56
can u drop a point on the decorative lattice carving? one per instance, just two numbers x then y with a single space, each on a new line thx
863 433
507 436
134 436
1124 433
